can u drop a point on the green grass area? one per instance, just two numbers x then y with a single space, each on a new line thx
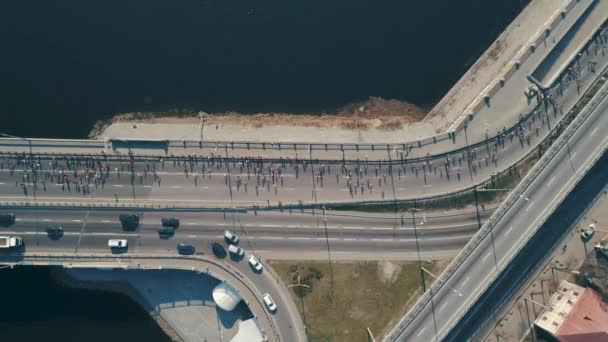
364 295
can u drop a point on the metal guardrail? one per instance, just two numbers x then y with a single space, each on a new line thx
500 212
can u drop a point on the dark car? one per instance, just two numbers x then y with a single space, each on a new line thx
185 249
7 219
218 250
166 231
55 232
170 222
129 221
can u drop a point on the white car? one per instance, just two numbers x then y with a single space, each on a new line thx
238 251
255 263
272 307
117 243
587 233
231 237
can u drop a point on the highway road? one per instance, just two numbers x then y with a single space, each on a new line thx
268 234
212 180
494 252
299 235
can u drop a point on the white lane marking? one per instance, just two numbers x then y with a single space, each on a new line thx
485 257
378 228
147 186
573 154
76 234
2 183
298 238
191 236
421 330
46 220
191 223
76 221
175 186
118 185
105 221
350 239
530 206
551 181
508 231
18 219
442 307
465 281
593 132
220 224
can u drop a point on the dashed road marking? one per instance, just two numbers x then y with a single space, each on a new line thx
551 181
530 206
76 221
508 231
421 330
485 257
442 307
593 132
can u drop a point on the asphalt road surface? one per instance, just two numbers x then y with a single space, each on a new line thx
458 293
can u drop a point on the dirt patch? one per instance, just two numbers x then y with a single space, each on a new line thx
375 112
388 271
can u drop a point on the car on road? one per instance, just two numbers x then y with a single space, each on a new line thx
170 222
166 231
117 243
255 263
185 248
231 238
270 304
218 250
7 219
54 232
129 221
587 233
238 251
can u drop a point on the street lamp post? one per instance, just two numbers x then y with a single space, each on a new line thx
413 210
300 285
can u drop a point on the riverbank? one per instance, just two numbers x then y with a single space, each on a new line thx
376 120
373 114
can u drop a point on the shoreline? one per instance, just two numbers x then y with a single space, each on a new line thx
373 113
62 277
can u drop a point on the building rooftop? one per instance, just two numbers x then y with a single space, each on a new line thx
575 314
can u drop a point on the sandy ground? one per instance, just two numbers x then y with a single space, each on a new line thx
375 113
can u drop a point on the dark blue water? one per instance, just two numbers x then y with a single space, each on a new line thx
35 308
66 63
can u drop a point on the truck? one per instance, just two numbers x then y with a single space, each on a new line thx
10 241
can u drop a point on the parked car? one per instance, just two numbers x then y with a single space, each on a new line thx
129 221
238 251
218 250
55 232
166 231
587 233
185 249
117 243
270 304
231 238
7 219
170 222
255 263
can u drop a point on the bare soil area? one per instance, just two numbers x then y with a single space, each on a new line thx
375 112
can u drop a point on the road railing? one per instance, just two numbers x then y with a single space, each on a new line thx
499 214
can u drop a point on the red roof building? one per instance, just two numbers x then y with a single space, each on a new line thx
575 314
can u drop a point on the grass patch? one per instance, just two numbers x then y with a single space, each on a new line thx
364 295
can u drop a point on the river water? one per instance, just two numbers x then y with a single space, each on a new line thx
64 64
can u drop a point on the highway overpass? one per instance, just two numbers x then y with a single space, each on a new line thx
492 249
